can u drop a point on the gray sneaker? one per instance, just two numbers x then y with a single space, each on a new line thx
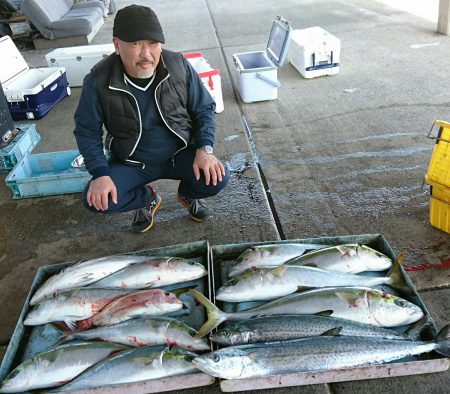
196 207
143 218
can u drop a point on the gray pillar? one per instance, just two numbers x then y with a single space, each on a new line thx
444 17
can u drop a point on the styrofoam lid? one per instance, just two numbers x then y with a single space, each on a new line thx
278 43
12 62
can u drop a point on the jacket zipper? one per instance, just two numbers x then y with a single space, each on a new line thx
167 125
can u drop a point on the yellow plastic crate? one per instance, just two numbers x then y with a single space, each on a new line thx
439 168
440 207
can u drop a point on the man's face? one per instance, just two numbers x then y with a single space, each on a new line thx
139 58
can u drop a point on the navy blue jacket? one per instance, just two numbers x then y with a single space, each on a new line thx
89 118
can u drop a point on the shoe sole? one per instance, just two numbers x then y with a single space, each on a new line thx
154 209
182 202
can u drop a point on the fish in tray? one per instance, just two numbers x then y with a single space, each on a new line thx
287 327
360 304
346 259
83 274
144 303
155 272
71 306
269 255
261 284
145 332
57 365
313 354
134 365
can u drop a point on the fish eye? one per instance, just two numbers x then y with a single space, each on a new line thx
192 262
232 282
400 303
226 333
215 358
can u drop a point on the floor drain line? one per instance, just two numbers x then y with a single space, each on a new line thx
267 192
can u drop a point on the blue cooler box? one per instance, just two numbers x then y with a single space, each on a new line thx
30 93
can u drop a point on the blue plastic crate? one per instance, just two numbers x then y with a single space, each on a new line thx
24 142
46 174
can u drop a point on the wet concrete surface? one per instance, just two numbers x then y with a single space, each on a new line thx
340 155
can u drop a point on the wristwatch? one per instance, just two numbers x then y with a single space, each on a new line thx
208 149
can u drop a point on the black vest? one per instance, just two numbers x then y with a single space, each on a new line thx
120 109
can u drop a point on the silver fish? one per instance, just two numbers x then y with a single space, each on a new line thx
269 255
84 273
134 365
360 304
155 272
346 259
145 332
262 284
286 327
57 365
72 305
313 354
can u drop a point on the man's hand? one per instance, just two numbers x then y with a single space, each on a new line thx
212 168
99 190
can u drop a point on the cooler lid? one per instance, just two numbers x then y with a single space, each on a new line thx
12 62
279 39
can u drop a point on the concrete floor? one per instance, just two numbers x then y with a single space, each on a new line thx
339 155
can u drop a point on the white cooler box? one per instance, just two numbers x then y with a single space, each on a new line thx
257 71
78 61
314 52
209 76
30 93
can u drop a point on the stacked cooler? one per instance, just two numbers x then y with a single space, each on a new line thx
438 177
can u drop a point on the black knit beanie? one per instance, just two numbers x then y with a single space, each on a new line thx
137 22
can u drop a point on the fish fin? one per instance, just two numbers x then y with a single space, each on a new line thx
72 324
344 250
215 315
313 265
442 340
415 331
278 271
400 258
348 298
303 288
332 332
327 312
182 290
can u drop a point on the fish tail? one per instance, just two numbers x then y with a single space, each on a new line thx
215 315
396 280
442 340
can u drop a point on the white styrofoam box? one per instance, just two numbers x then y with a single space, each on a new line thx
314 52
257 71
30 93
210 77
78 61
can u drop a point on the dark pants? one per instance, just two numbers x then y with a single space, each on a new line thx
130 182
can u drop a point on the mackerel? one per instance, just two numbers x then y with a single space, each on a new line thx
84 273
57 365
321 353
152 273
134 365
262 284
269 255
287 327
360 304
145 332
